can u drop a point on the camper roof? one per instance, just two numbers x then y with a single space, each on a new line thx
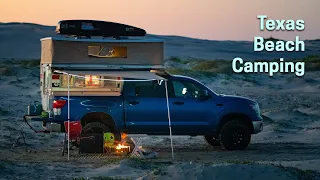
105 40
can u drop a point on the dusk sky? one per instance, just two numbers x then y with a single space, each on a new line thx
205 19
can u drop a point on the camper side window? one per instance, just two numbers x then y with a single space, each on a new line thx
79 82
111 84
89 81
107 51
64 81
92 81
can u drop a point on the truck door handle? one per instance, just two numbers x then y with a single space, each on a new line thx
178 103
134 102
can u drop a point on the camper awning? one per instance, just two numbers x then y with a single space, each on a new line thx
143 75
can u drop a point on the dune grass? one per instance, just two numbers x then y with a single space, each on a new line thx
196 67
3 112
239 162
7 70
9 67
177 60
26 63
101 178
214 66
2 166
188 72
199 67
312 62
29 63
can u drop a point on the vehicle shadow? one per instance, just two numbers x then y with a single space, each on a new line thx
255 152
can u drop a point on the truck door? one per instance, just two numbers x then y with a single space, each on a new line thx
191 113
146 109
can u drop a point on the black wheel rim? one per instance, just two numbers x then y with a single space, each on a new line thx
237 138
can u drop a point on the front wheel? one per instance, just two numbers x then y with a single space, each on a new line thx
235 135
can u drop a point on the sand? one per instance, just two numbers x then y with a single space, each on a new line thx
287 148
290 137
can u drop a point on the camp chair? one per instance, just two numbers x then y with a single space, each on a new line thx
140 152
75 133
137 151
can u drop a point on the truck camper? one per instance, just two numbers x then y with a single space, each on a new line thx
110 78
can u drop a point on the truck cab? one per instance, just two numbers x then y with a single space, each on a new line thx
194 108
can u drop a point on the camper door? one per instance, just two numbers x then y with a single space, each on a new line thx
45 85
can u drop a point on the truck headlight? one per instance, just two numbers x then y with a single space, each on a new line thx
255 107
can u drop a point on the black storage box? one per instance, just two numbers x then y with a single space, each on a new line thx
91 143
97 28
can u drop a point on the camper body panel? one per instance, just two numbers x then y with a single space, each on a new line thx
102 52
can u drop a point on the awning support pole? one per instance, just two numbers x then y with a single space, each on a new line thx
68 116
169 117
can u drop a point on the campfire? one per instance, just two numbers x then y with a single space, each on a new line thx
122 148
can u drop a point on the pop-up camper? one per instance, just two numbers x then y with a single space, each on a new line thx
96 56
94 59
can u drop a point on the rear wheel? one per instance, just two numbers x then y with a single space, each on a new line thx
235 135
99 128
212 140
95 128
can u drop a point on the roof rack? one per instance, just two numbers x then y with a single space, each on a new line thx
87 28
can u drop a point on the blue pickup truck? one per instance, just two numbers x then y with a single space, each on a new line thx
136 107
141 108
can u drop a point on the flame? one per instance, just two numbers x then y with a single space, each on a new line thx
120 146
123 135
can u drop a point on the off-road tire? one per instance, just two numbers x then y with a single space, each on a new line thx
95 127
98 127
212 140
235 135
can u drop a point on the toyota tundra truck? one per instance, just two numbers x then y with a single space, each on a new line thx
119 84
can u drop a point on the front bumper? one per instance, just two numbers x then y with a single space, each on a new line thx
257 126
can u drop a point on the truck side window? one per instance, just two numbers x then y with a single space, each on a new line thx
179 89
149 89
186 89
